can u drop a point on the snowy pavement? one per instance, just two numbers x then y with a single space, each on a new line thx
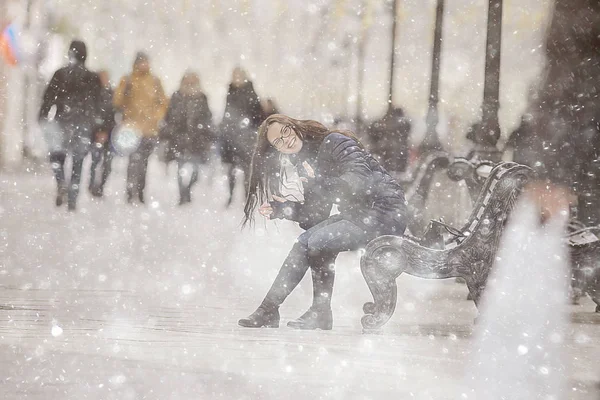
122 302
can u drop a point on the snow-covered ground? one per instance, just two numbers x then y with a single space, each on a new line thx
122 302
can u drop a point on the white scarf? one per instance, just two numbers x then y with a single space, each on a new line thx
290 185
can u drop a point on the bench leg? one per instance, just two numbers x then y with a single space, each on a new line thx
597 301
380 275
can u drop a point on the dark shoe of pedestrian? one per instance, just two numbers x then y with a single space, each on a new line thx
184 196
263 317
129 196
61 196
96 191
314 318
183 200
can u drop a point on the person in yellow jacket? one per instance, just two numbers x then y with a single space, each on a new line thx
141 99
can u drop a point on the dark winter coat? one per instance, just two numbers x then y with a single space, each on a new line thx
567 111
243 115
189 124
350 177
389 139
76 92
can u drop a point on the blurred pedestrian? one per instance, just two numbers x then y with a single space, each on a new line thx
269 107
520 140
566 116
243 114
189 129
102 153
389 139
141 99
73 96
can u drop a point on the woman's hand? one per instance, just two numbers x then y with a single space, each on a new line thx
279 199
266 210
309 171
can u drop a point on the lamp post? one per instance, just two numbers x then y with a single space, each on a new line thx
487 135
431 142
393 56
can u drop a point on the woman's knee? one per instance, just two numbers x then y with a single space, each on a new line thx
304 238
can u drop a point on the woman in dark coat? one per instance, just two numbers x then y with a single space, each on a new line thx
190 133
243 114
333 168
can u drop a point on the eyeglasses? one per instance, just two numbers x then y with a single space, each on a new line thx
286 132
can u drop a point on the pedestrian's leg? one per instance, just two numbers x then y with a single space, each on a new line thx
75 180
146 147
57 162
96 158
106 168
132 175
193 178
231 178
180 181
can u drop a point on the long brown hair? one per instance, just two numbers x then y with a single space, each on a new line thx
265 160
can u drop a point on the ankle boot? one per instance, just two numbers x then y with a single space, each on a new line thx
314 318
262 317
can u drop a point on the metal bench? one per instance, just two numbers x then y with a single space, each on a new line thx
469 254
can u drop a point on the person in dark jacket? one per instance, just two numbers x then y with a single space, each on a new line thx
520 141
566 133
389 139
333 168
74 91
243 114
190 132
269 107
101 150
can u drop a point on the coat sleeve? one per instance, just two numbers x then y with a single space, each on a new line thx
350 159
50 95
96 93
314 210
119 97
